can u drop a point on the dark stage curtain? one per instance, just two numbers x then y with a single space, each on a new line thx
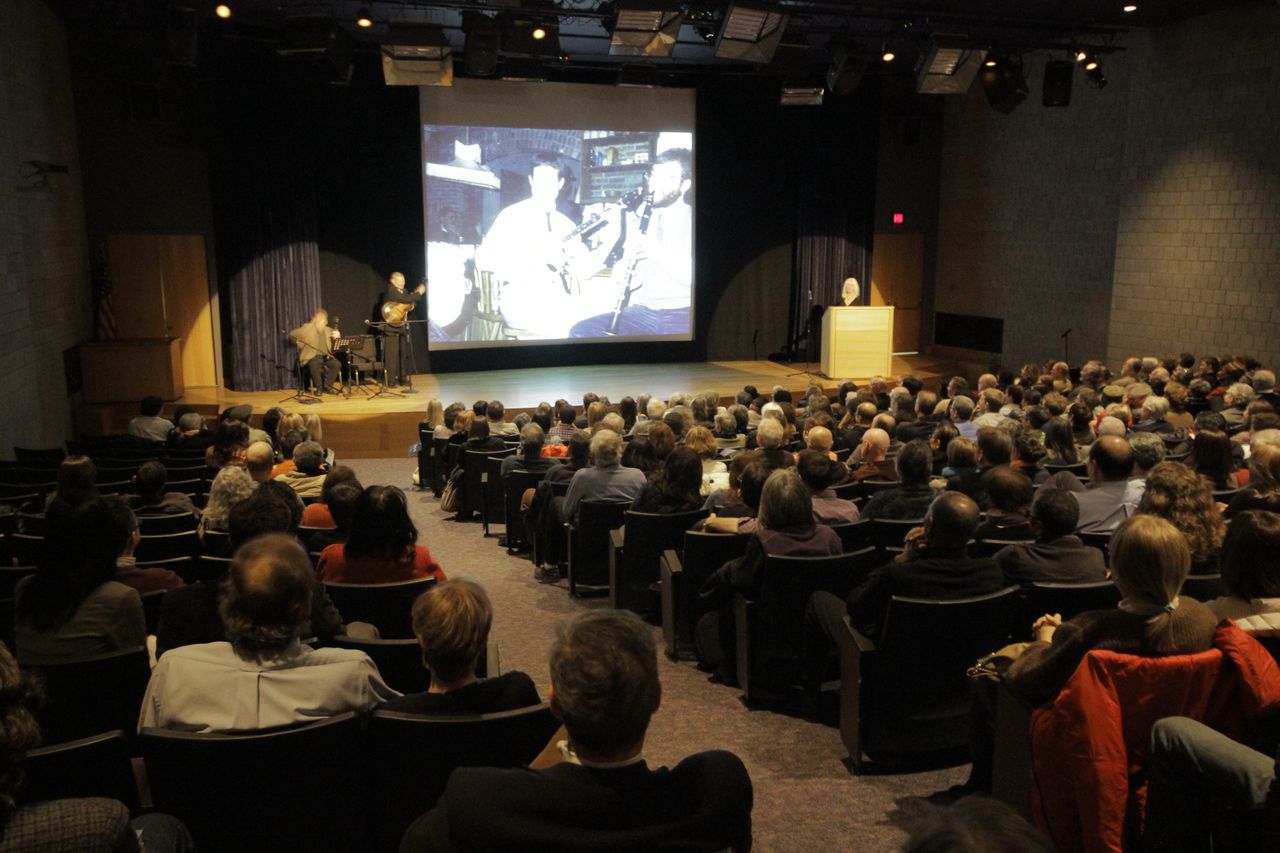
833 173
268 257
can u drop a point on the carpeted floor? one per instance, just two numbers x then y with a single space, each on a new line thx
805 796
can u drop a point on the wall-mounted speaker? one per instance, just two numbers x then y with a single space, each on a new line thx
1057 82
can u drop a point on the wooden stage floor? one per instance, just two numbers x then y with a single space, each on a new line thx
360 427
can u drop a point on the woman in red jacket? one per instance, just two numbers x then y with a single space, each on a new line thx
382 546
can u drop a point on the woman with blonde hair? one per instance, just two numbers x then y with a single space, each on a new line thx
291 420
435 413
1150 560
1175 493
311 423
703 443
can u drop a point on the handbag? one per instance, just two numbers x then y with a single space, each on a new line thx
451 497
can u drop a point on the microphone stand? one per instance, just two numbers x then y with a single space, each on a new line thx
300 395
388 329
1066 345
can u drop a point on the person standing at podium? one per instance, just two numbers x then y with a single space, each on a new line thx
850 291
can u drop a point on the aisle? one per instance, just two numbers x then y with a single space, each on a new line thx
805 797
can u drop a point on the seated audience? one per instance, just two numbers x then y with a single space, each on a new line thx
598 794
260 461
228 445
1212 458
1109 497
677 486
1150 560
262 675
308 474
123 532
452 625
342 509
318 513
382 546
606 480
244 414
462 427
73 606
579 457
874 452
190 432
771 439
819 473
530 457
924 424
150 498
232 485
703 443
725 501
444 429
1009 493
1177 495
977 824
1251 573
1263 491
564 427
77 485
189 615
1191 766
149 426
1057 555
962 457
726 433
289 442
495 412
995 448
961 413
910 499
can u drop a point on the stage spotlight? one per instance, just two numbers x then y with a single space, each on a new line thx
1003 82
1096 77
364 20
1087 60
222 10
750 34
888 56
538 33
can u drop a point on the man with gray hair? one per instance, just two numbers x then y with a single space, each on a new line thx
1235 401
591 788
262 675
1151 416
960 411
307 478
726 431
530 457
606 480
1264 387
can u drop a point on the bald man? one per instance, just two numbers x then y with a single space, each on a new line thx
936 564
261 676
875 463
1113 492
259 459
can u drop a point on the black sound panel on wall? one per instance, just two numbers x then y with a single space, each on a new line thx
968 331
1057 82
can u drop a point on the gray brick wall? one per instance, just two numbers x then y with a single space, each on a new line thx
1145 215
43 261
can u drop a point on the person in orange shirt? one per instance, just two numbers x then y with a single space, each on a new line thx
382 546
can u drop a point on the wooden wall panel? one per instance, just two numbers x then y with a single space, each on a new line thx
136 282
185 276
897 279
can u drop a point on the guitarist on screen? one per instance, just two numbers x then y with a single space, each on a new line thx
393 309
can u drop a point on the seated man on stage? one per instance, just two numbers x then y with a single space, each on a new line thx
393 310
315 352
654 279
537 257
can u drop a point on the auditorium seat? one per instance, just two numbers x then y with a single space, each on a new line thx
93 694
475 468
682 575
399 661
9 577
514 486
216 543
166 546
294 789
989 547
769 628
888 534
588 555
157 525
907 699
25 548
388 606
39 457
634 551
1068 599
409 758
1204 587
493 507
95 766
854 535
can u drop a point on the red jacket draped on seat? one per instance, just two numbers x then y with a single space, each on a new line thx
1089 747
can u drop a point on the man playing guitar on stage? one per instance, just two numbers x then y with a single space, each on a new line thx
394 310
315 351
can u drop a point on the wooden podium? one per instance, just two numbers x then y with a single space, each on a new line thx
857 341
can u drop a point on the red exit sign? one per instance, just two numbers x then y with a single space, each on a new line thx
899 218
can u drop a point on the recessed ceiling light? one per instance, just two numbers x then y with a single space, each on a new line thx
539 33
990 63
889 56
363 19
1130 7
222 10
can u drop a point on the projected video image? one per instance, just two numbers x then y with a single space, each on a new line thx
538 235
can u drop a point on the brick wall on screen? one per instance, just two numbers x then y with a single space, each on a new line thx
44 301
1198 239
1145 215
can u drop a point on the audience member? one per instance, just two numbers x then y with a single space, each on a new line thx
1212 458
529 458
496 413
123 532
606 480
728 434
1251 573
318 514
1009 493
308 475
149 426
677 486
1108 499
819 474
262 675
150 498
77 485
231 486
341 504
599 794
259 461
1177 495
995 448
382 546
228 445
452 625
1057 555
962 458
73 606
1263 491
875 464
911 498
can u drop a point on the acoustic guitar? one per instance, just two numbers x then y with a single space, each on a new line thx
396 313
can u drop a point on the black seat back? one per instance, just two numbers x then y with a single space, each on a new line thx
701 554
92 695
475 470
1068 599
96 766
166 546
155 525
389 606
589 543
493 505
777 617
399 661
854 535
514 486
647 535
410 757
920 697
1204 587
989 547
294 789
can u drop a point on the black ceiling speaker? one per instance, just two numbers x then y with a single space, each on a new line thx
480 54
848 62
1057 82
1003 82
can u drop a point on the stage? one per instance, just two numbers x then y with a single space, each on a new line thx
386 426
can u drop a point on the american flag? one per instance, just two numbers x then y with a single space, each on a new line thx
105 315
